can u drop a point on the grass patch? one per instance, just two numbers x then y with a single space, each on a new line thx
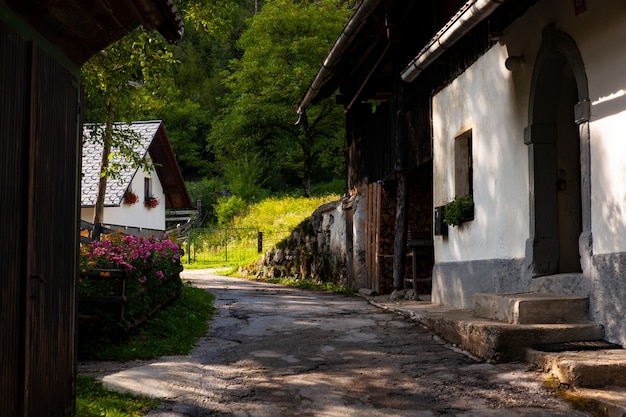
306 284
275 216
280 214
93 400
172 331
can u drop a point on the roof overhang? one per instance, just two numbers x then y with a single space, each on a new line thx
343 42
471 14
370 32
168 171
81 28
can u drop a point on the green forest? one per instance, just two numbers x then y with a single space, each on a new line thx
227 94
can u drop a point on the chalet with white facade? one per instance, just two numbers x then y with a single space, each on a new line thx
136 202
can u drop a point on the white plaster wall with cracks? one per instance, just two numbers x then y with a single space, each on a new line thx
507 139
483 100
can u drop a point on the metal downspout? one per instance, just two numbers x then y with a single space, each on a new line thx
343 41
466 19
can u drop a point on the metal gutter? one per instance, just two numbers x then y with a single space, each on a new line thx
341 44
472 13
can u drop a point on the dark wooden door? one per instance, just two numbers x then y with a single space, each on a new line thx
39 165
52 238
14 88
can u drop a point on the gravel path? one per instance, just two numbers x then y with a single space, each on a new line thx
276 351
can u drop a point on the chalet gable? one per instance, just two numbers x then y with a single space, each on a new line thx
153 143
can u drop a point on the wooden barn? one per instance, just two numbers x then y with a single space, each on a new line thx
389 138
515 106
42 46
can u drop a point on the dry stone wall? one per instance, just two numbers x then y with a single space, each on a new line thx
315 250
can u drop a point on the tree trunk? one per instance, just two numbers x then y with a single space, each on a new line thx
98 212
306 174
307 156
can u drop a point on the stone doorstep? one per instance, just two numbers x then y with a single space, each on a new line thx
497 341
589 369
532 308
488 339
598 376
503 342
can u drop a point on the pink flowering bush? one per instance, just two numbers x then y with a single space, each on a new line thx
152 269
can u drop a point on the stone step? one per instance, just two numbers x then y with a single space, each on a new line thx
532 308
495 340
588 369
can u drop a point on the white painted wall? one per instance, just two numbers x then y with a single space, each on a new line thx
500 160
136 215
599 34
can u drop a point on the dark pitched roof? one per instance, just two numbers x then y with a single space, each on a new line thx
383 37
153 141
80 28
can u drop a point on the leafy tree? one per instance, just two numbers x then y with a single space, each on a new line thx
118 80
282 50
134 78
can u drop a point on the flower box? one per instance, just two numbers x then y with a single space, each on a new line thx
151 202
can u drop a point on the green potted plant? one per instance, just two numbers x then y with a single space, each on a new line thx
459 210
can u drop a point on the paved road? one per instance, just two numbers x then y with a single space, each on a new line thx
275 351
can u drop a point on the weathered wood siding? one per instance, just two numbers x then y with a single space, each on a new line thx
39 162
14 87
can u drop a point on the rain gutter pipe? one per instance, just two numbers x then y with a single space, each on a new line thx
471 14
341 44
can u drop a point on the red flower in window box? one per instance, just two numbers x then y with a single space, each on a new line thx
130 198
151 202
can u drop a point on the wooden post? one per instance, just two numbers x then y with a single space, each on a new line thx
399 241
401 148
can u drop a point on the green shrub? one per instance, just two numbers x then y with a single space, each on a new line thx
245 176
229 207
206 191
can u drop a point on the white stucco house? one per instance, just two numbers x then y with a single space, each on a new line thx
545 113
520 105
137 201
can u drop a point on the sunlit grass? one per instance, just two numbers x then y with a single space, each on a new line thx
172 331
236 245
93 400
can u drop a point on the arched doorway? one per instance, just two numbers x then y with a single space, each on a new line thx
558 148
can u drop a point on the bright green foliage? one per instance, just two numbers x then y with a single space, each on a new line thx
245 175
282 52
280 213
459 210
228 207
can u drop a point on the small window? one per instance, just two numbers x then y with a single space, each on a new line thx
463 166
147 188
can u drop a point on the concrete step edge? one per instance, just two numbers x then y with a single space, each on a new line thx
529 307
588 369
